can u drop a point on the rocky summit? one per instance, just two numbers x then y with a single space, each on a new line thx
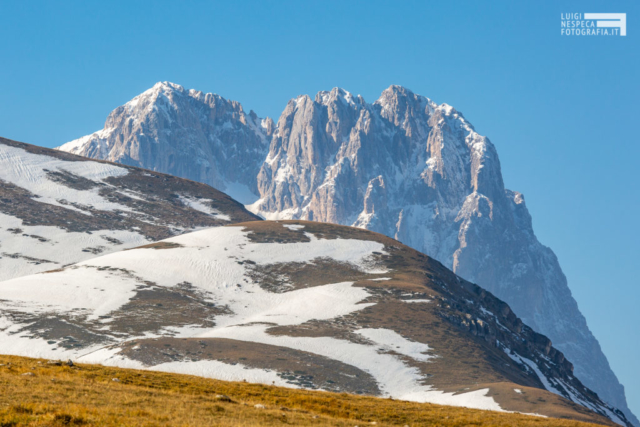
186 133
403 166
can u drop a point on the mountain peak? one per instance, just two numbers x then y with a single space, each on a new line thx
398 89
170 89
166 85
340 95
165 88
396 98
203 132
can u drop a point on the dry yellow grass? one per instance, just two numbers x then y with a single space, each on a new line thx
35 393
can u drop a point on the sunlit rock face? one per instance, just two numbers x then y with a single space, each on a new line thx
186 133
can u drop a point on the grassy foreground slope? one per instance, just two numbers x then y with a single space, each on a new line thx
34 392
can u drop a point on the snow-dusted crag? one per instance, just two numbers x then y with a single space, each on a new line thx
186 133
403 166
57 209
306 305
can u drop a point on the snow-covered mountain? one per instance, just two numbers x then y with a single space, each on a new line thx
403 166
298 304
57 209
186 133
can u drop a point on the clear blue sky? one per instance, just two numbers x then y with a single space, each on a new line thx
563 112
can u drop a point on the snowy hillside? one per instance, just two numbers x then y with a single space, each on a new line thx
300 305
57 209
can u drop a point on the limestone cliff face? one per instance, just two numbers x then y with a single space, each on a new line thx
186 133
403 166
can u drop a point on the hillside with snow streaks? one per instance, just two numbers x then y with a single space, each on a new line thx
248 302
403 166
57 209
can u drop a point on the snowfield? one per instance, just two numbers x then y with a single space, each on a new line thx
30 170
202 206
52 247
215 262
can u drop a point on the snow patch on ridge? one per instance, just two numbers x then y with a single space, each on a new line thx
294 227
225 372
57 246
202 206
28 171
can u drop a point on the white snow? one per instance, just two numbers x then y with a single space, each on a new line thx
294 227
29 249
284 173
202 206
448 109
389 340
487 312
352 251
431 163
202 368
83 290
61 247
573 394
284 214
78 145
534 368
204 261
224 371
27 170
394 377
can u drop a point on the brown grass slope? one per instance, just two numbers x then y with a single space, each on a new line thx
36 393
